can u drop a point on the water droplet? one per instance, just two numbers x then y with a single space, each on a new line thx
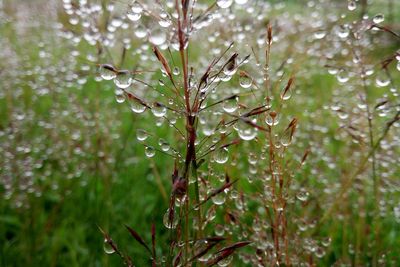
319 34
219 230
123 79
245 81
342 76
351 5
225 262
222 155
136 106
224 3
230 105
246 131
119 96
230 68
326 241
286 138
302 195
150 151
170 219
379 18
133 16
136 7
286 94
141 135
176 71
108 249
141 32
272 118
165 22
219 199
159 110
199 247
319 252
382 80
164 145
343 31
157 37
107 72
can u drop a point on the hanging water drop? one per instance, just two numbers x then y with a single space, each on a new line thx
176 71
246 131
224 3
225 261
222 155
379 18
170 219
342 76
351 5
159 110
230 105
319 34
123 79
133 16
286 138
200 246
107 72
272 118
245 81
302 195
382 80
150 151
108 248
119 96
141 135
219 199
136 106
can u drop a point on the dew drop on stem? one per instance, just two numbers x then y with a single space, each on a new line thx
230 68
230 105
302 195
136 106
107 72
379 18
272 118
176 71
123 79
245 81
224 3
141 135
219 199
246 131
108 248
351 5
170 219
159 110
222 155
225 261
150 151
157 37
286 138
133 16
342 76
382 80
201 246
120 97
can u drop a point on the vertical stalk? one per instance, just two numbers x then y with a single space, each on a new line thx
373 169
190 159
275 222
